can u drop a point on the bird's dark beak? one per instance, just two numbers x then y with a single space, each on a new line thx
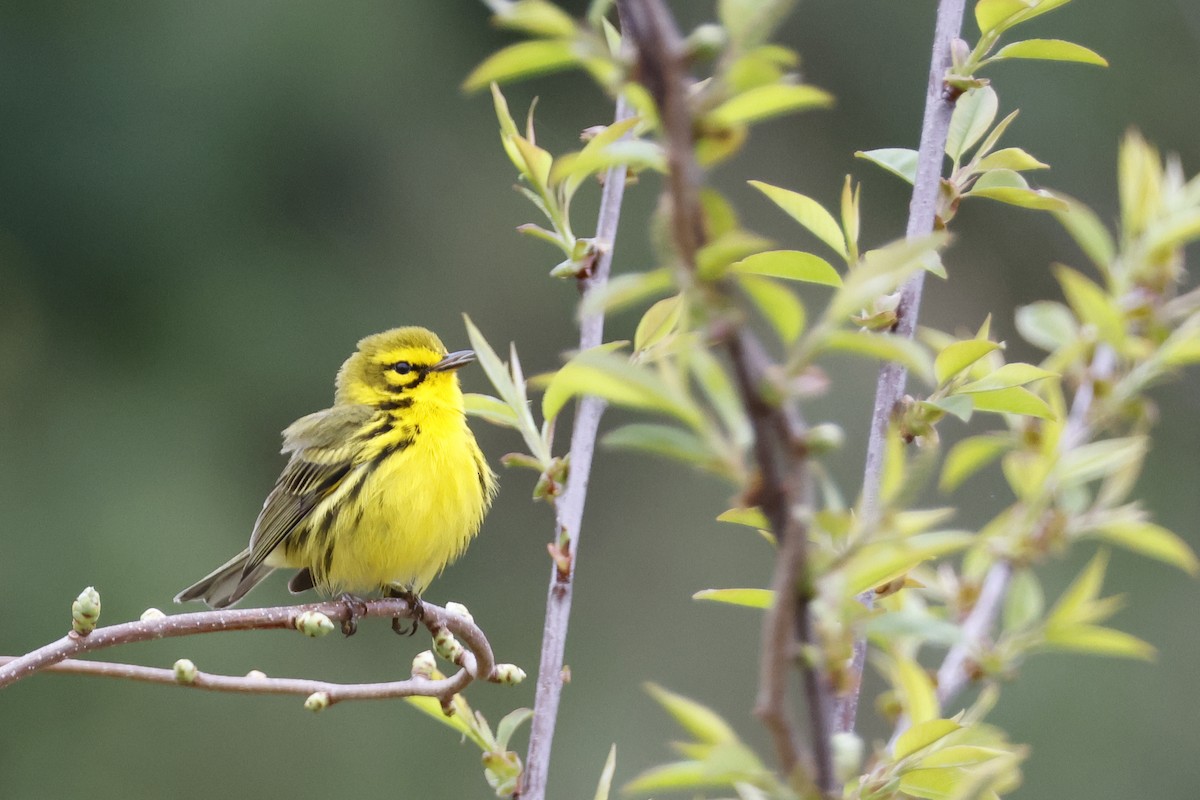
459 358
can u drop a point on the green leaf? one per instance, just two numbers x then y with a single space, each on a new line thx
791 265
969 456
522 60
714 382
932 784
623 291
750 517
510 724
956 357
1008 375
663 440
1182 348
1047 324
916 690
704 724
768 101
659 321
912 623
456 722
1092 304
879 562
1010 158
921 735
1036 199
1050 50
1013 400
751 22
510 391
751 598
778 305
1098 640
1075 602
961 755
1095 460
885 347
1153 541
714 258
572 169
881 272
537 17
899 161
491 409
997 16
808 212
973 115
1024 602
604 786
612 377
958 405
1088 231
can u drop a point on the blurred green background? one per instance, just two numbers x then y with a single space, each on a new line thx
204 205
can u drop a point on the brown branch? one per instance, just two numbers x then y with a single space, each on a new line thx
939 105
778 442
475 662
568 509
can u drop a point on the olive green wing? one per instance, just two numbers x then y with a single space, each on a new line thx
323 447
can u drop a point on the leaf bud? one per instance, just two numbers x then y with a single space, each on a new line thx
460 610
824 438
447 646
509 674
847 755
256 675
314 624
185 672
85 611
317 701
152 614
423 664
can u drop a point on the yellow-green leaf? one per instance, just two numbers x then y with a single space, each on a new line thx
778 305
1047 324
932 784
715 257
973 115
1087 230
491 409
1088 462
808 212
1153 541
916 690
697 719
791 265
768 101
751 598
611 376
969 456
1098 640
537 17
604 786
999 15
885 347
1036 199
662 440
1051 50
659 321
522 60
1013 400
623 291
1010 158
921 735
750 517
900 161
456 722
1025 601
1083 591
1008 375
1092 304
956 357
881 271
961 755
879 562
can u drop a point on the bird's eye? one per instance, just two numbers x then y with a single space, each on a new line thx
402 367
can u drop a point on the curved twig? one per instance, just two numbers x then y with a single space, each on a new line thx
475 662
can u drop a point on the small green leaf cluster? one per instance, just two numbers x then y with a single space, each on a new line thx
501 766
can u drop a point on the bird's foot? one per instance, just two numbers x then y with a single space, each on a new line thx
355 607
415 606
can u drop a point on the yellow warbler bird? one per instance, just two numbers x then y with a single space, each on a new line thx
381 491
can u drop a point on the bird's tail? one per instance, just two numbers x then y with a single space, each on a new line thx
226 584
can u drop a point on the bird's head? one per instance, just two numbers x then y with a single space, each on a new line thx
400 365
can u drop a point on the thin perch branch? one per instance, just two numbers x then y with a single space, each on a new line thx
568 509
939 105
475 662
